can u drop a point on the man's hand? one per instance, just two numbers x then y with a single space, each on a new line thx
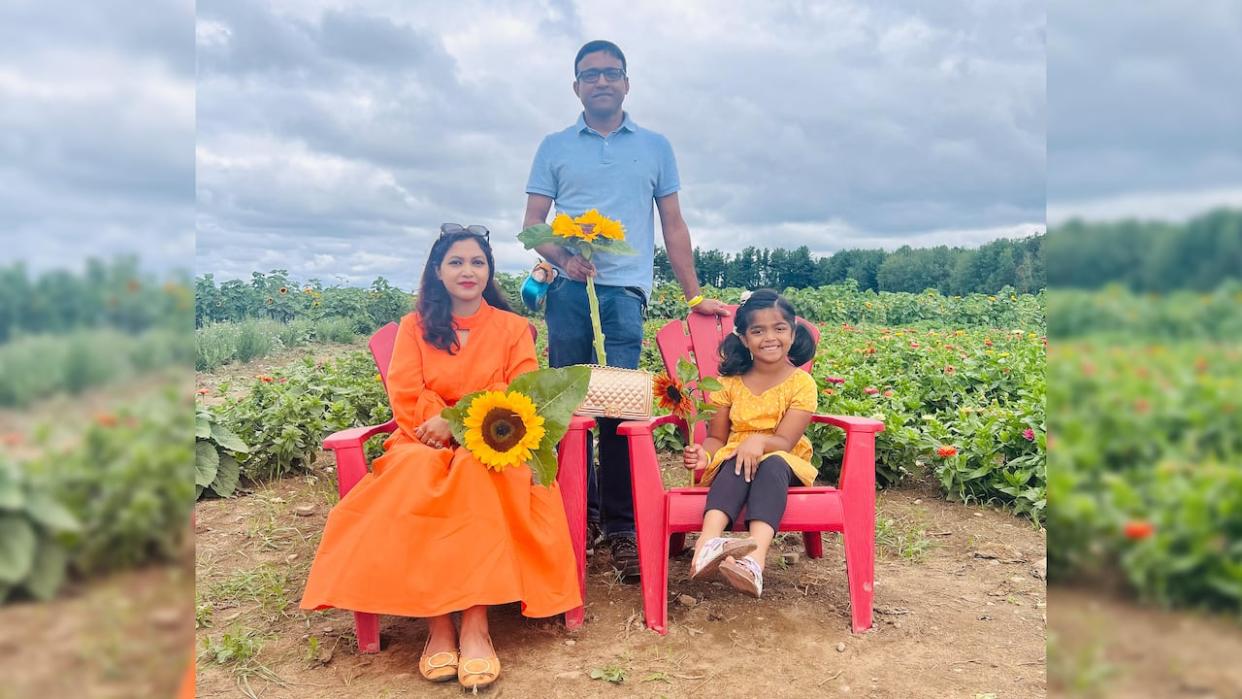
711 307
435 432
579 268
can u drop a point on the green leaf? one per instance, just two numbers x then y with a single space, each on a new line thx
456 416
206 462
557 393
686 371
12 496
55 517
228 439
202 426
613 247
543 463
17 548
227 476
710 384
536 235
48 571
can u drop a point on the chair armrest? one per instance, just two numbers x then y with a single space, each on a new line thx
850 423
581 422
357 436
641 427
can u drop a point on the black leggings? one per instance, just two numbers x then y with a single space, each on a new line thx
764 496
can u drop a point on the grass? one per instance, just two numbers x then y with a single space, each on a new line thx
1081 670
266 586
902 538
218 344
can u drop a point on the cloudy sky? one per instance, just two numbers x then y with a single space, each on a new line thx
333 138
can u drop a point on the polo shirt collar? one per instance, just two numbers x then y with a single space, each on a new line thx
627 124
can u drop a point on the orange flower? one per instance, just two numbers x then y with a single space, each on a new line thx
264 378
888 394
105 420
203 391
12 439
1137 529
949 369
828 392
944 451
672 396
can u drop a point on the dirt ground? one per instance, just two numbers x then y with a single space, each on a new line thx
238 377
960 612
1101 645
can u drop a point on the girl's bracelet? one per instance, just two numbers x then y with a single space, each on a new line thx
695 301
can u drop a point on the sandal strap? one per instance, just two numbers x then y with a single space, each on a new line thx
434 665
464 668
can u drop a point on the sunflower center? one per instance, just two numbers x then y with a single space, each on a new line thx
673 393
503 429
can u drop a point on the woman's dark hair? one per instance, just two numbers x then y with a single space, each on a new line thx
435 308
736 360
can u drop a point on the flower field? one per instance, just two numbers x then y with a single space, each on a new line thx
1146 469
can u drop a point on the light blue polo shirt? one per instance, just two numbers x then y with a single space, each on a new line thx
621 175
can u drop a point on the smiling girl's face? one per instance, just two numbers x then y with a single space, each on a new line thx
768 336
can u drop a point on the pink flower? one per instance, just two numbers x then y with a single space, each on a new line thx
888 394
835 379
1028 434
871 390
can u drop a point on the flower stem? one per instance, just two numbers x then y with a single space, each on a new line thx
600 357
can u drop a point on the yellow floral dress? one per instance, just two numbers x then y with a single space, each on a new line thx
751 414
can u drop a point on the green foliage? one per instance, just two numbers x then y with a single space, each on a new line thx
222 343
35 367
114 294
1147 256
275 296
216 449
33 530
286 417
1119 313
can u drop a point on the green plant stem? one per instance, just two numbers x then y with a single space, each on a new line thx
600 356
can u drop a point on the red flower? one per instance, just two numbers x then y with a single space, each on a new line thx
1028 434
203 391
671 395
835 379
1137 529
871 390
914 345
12 439
265 378
987 342
944 451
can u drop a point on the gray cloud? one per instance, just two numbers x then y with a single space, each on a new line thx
335 141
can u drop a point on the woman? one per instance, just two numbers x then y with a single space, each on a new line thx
431 530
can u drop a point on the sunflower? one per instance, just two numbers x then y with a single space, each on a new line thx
672 396
566 227
602 225
502 429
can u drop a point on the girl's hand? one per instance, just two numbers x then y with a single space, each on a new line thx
435 432
694 458
748 454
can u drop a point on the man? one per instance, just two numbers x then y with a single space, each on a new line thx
609 163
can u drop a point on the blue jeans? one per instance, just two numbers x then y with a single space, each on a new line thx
610 500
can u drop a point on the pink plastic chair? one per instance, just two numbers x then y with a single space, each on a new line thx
663 517
351 465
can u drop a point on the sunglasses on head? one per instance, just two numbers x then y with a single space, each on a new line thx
476 229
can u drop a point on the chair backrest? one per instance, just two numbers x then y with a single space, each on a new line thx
384 340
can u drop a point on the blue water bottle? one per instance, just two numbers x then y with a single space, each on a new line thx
535 288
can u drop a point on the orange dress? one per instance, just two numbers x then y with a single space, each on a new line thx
431 531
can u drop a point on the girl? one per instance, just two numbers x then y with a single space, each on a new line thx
431 530
755 447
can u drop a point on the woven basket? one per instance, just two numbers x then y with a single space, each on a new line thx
618 393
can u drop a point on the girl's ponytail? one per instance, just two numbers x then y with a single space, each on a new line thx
802 350
735 359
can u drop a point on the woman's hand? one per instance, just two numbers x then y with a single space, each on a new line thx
435 432
749 453
694 458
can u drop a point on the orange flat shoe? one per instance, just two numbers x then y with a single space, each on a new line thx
439 667
477 673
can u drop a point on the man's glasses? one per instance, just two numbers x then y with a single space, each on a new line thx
592 75
451 228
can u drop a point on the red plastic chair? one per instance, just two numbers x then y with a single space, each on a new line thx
351 465
661 515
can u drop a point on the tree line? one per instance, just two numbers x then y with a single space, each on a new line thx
1198 255
1015 263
